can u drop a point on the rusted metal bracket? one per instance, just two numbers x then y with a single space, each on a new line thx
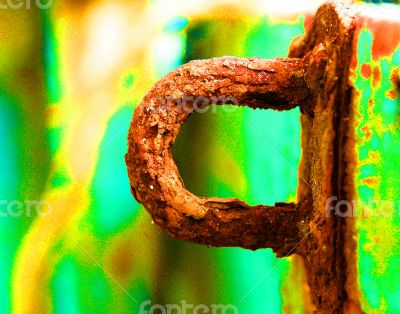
278 84
328 248
314 77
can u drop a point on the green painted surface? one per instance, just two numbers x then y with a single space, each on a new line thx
377 177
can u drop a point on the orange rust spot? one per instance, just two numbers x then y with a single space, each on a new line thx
366 70
367 131
392 94
369 181
376 78
394 76
374 156
395 79
121 260
385 45
370 103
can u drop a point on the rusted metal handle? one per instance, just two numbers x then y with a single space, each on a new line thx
155 181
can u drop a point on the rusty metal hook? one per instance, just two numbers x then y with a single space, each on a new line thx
315 78
279 84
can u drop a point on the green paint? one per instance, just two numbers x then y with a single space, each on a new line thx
54 138
267 39
10 168
129 80
65 287
59 179
377 182
112 205
51 59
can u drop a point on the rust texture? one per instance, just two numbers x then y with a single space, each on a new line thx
155 181
315 78
329 247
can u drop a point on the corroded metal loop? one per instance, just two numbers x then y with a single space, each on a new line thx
279 84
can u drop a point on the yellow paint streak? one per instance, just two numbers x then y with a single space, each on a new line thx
35 261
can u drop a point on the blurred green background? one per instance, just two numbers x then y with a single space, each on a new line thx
70 78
